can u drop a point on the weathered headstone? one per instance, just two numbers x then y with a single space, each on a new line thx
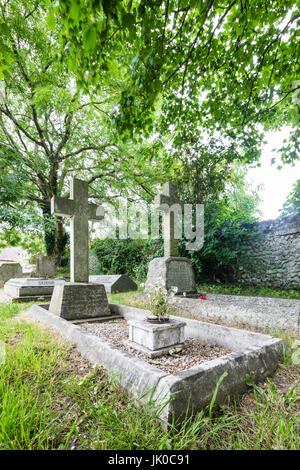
165 202
80 211
170 270
114 282
9 271
78 299
94 265
45 267
29 270
75 301
28 289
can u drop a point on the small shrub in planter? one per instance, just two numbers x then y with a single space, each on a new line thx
160 303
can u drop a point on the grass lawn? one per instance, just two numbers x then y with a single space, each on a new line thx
52 398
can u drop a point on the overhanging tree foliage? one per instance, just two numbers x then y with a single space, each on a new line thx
292 204
226 66
50 131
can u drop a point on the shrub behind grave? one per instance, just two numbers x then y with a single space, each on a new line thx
129 257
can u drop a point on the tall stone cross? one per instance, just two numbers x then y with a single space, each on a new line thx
80 211
164 202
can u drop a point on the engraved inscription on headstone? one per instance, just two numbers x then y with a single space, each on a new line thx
179 275
74 301
171 272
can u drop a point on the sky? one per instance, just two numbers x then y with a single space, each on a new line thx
277 184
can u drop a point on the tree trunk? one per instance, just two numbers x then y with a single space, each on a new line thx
55 235
61 240
49 229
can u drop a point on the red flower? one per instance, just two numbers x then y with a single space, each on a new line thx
202 298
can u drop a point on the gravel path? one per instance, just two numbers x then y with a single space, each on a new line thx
194 352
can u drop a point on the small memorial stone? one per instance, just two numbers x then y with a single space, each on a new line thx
9 271
45 267
114 282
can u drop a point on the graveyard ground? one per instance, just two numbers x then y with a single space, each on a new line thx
52 398
228 289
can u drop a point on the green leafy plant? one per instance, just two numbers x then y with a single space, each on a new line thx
129 257
296 352
292 203
160 300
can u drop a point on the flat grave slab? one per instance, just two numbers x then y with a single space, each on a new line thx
252 354
114 282
265 313
30 289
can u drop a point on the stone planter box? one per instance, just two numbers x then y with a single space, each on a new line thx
192 389
155 339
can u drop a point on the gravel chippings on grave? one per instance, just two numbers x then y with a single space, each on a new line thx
194 352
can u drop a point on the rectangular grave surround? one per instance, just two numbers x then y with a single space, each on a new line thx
252 354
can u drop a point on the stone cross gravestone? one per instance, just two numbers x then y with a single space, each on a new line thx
164 203
79 299
170 270
80 211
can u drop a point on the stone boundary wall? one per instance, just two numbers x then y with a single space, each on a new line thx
273 254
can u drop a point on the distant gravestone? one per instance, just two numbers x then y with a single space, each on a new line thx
170 270
27 289
94 265
9 271
45 267
114 283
